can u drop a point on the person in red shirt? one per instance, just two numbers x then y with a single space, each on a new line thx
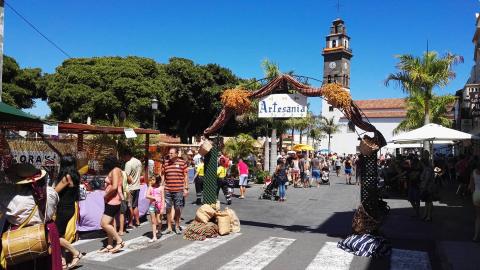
175 175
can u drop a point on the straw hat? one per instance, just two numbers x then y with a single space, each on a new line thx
25 173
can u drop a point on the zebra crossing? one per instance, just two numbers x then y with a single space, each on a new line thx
258 256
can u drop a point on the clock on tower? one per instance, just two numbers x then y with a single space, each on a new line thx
337 55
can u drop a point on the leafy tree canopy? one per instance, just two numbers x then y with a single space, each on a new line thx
21 85
194 92
104 87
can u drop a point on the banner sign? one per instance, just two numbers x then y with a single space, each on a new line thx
283 106
50 130
130 133
475 103
37 158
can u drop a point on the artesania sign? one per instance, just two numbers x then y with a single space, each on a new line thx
283 105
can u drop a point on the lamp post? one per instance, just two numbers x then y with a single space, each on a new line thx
154 109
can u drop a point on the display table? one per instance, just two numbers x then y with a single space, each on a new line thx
91 209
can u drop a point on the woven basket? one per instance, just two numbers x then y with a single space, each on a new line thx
205 147
368 146
363 223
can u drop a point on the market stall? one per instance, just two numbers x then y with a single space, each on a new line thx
34 151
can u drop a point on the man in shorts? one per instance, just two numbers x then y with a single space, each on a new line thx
175 175
133 169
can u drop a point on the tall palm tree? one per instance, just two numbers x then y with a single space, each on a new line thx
415 118
422 75
316 134
329 127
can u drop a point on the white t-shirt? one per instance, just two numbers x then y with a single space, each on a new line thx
133 168
196 159
17 205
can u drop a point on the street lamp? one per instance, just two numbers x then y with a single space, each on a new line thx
154 108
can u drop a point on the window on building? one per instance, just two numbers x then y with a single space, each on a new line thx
330 108
334 43
329 79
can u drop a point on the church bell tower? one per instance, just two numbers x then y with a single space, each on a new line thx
337 55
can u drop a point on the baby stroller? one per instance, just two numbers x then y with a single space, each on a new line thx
270 191
325 180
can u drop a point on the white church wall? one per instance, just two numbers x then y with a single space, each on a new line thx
346 141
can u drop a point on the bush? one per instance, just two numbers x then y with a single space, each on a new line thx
261 176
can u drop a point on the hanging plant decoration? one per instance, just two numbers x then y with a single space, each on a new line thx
236 100
336 95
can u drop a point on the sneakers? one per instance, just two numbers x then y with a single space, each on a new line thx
229 202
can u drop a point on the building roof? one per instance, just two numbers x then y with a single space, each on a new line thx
377 104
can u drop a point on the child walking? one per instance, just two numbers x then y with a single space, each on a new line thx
156 195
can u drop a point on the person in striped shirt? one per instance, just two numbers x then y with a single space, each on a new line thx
175 175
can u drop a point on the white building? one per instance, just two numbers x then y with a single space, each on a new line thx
384 114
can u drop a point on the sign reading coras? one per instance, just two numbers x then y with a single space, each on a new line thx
282 106
37 158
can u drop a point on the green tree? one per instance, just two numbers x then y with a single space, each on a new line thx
329 127
21 85
415 118
194 92
240 146
104 87
420 76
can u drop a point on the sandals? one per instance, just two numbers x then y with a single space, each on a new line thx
105 249
118 247
75 260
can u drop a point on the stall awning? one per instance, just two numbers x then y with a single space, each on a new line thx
10 114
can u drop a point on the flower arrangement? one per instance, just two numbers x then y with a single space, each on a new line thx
336 95
236 99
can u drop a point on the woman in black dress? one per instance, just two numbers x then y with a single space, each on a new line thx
67 187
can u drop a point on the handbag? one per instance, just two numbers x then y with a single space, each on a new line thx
24 243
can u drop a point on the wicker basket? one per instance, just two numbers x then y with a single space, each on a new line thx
368 146
205 147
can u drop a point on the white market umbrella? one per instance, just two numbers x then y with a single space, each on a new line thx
432 132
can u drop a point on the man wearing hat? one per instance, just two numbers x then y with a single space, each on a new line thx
18 200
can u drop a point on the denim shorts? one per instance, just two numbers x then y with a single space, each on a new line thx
243 179
174 199
153 209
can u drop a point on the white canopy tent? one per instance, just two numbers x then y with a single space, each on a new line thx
432 133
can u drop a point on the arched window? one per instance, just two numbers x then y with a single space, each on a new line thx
334 43
329 79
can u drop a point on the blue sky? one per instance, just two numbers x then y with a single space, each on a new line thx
240 34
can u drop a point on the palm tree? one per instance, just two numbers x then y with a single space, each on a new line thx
415 118
241 146
316 134
329 127
422 75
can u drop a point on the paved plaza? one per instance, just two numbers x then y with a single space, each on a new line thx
302 233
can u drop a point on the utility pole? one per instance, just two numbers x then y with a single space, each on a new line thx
2 8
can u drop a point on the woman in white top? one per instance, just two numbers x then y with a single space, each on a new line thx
475 187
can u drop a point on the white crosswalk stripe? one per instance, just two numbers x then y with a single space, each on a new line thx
185 254
331 257
130 245
409 259
259 255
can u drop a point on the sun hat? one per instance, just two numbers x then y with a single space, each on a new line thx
25 173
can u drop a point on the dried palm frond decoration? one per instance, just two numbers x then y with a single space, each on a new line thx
236 99
336 95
